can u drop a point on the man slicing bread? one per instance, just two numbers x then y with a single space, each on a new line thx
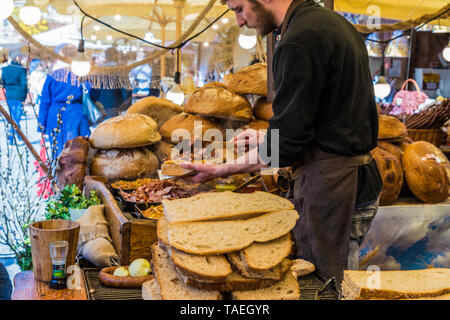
326 115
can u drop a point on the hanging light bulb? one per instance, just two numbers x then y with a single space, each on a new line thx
206 44
382 88
247 39
175 94
29 13
7 9
80 64
446 53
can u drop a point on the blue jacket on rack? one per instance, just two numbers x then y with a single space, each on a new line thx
66 99
14 79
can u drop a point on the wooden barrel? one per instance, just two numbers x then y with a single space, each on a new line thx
42 233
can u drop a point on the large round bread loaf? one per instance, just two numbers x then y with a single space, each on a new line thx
392 174
250 80
391 148
391 128
263 109
158 109
72 163
163 150
127 131
219 102
188 121
125 164
427 172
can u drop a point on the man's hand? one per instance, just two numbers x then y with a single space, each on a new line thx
206 172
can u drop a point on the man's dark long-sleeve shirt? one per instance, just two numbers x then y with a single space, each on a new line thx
324 92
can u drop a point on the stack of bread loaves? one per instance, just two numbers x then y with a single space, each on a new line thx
418 166
123 147
427 284
225 245
209 107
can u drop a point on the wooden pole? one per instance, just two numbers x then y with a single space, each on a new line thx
25 140
163 57
329 4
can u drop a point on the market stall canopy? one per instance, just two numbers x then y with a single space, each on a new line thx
136 16
394 9
65 34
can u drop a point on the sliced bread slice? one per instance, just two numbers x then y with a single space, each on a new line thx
301 267
207 267
216 237
172 288
404 284
233 282
275 273
223 205
150 290
265 255
286 289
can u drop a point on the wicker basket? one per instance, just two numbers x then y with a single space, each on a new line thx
434 136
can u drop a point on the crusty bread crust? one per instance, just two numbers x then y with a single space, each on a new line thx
427 172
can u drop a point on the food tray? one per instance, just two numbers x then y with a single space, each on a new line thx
309 286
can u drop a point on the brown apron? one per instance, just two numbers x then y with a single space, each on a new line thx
323 189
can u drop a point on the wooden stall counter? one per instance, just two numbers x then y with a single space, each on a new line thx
26 288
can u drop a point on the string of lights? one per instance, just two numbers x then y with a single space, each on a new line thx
181 45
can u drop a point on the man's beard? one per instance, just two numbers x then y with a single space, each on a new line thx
264 19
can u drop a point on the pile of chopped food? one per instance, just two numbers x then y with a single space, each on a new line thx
154 212
156 192
131 185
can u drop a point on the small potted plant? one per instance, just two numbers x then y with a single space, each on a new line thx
70 204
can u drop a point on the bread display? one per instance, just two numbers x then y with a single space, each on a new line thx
287 289
171 287
250 80
125 132
263 109
195 125
219 102
405 284
159 109
128 164
217 255
427 172
390 128
391 171
72 163
391 148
